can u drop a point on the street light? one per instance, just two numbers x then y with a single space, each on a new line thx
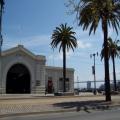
93 71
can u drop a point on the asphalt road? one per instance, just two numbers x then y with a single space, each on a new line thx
92 115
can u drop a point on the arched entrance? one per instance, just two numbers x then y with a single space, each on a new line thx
18 80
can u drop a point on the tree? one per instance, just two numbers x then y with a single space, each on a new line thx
89 14
1 11
113 52
64 37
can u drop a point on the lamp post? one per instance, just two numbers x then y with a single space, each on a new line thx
93 71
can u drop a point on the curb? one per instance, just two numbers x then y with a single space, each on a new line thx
83 108
35 113
43 97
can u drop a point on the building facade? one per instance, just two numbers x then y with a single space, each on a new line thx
22 72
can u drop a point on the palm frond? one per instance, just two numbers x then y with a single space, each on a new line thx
91 12
64 36
113 48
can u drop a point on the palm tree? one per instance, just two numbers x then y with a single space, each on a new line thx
113 51
1 11
89 14
64 37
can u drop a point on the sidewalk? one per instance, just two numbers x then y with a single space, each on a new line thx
28 104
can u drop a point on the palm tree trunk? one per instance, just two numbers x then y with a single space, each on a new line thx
1 11
106 61
64 68
0 15
114 73
0 26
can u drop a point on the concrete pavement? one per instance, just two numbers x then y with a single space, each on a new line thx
94 115
31 104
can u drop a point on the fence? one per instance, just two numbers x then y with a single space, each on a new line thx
89 86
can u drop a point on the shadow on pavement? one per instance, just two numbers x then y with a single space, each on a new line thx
84 105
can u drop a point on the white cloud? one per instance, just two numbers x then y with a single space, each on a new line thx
29 42
37 41
83 45
81 33
59 56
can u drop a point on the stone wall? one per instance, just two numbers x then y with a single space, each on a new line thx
36 65
36 68
56 73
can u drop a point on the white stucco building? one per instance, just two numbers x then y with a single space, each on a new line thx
21 71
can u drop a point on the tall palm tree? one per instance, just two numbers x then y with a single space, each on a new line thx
64 37
89 14
1 11
113 52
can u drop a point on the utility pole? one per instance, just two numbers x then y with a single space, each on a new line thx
77 83
93 71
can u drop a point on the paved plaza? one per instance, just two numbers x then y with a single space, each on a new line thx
32 104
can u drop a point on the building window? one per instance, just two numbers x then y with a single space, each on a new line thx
49 78
60 85
50 88
67 85
37 82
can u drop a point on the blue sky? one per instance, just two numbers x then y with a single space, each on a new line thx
31 23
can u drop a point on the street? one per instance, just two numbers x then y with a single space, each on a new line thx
92 115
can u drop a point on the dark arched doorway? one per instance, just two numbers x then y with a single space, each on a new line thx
18 80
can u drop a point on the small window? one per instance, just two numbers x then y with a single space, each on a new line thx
49 78
50 88
37 82
61 84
